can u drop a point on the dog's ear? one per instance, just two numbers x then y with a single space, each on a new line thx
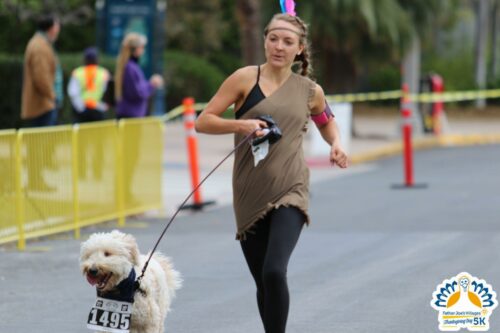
130 243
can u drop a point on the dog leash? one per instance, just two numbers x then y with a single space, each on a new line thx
138 281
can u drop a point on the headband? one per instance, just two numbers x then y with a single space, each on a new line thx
288 29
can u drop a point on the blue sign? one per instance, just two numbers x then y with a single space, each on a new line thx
116 18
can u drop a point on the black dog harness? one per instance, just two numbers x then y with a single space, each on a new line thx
124 291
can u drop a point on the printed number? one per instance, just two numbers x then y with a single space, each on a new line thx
480 321
115 320
125 321
104 318
93 319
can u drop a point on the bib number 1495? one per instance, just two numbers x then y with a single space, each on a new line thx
110 316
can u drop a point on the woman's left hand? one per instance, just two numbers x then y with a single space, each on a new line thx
338 156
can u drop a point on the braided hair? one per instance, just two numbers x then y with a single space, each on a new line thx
305 56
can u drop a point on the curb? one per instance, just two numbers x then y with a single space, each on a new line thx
392 149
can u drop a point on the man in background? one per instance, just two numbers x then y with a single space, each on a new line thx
42 76
41 96
86 88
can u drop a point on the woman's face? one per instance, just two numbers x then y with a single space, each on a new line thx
138 51
282 43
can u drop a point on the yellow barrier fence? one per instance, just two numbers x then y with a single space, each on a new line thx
62 178
8 229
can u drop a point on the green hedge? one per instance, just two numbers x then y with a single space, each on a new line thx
185 75
189 75
11 71
11 67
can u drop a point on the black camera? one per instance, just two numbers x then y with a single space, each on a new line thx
274 133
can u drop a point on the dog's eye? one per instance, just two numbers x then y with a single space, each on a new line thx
107 254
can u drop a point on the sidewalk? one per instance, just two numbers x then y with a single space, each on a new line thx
376 136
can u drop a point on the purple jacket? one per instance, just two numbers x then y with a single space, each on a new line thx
136 91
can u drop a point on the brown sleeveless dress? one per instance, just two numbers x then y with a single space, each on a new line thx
282 178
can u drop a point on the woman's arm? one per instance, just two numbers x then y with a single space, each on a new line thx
135 86
231 91
329 131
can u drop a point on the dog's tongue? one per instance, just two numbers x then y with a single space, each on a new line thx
91 280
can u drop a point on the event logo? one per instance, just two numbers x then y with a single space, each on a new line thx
464 301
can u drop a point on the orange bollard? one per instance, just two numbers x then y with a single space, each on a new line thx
192 144
407 133
189 116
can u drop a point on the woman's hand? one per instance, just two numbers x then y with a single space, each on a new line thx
247 126
338 156
156 80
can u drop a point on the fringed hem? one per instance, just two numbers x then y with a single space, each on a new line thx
311 94
242 235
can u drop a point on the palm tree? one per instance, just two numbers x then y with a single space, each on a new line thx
482 12
350 33
248 13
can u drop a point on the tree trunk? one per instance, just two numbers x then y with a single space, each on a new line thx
411 75
494 36
249 18
482 8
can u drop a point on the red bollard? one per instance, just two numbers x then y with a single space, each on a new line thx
407 134
437 106
192 145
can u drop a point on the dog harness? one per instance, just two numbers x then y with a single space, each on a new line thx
124 291
112 311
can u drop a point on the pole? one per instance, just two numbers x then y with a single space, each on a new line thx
437 106
407 133
192 144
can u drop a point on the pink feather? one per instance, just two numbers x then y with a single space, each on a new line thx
290 7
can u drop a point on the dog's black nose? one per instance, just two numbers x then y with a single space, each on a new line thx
93 271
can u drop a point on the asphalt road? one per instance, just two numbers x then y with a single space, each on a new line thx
369 262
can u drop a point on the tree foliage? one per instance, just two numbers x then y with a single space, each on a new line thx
351 34
77 18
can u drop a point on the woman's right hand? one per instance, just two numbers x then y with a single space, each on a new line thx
247 126
156 80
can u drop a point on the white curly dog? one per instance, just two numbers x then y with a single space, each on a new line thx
111 261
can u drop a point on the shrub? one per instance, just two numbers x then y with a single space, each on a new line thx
185 75
189 75
11 72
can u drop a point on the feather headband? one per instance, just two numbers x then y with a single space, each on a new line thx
288 6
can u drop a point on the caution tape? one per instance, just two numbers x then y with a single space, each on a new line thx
178 110
364 97
455 96
445 97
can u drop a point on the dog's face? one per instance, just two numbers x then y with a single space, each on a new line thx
107 258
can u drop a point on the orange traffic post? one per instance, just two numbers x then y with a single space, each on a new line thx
192 145
189 116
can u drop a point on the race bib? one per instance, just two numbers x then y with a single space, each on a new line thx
110 316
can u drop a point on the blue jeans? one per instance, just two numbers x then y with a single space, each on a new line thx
47 119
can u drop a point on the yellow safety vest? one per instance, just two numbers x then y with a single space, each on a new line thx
92 79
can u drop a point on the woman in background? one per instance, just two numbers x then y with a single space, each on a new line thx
132 90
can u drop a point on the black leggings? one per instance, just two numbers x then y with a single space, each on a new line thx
267 249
